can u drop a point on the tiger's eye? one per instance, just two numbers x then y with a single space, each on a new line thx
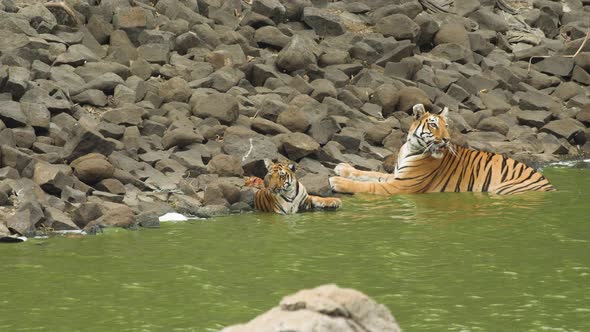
432 125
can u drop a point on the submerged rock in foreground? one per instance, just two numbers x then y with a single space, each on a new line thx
325 308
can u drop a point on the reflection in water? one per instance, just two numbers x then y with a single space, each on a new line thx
440 262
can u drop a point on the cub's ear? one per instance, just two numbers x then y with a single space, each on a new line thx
268 163
418 110
445 112
291 166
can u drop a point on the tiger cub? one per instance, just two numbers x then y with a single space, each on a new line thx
285 195
429 162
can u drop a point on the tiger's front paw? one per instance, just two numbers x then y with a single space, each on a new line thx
344 170
338 183
333 203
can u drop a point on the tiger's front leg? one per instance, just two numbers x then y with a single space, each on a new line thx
317 202
347 171
343 185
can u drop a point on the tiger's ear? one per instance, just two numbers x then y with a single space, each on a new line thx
418 110
268 163
444 112
291 166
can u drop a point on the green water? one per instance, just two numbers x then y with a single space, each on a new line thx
440 262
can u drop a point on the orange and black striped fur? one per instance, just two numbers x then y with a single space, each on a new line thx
428 162
285 195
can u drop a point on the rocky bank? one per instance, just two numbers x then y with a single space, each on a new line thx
115 112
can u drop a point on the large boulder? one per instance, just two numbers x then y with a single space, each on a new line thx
326 308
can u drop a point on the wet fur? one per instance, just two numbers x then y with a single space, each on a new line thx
284 194
428 162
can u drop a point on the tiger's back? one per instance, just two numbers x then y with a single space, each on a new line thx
479 171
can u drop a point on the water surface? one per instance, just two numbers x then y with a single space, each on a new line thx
440 262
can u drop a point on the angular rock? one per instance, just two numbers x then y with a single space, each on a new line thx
323 22
248 146
298 145
225 165
58 220
556 66
175 89
223 107
85 139
453 32
181 137
298 54
535 119
454 53
565 128
11 114
398 26
92 97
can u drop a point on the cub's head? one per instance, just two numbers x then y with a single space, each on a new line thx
429 132
280 176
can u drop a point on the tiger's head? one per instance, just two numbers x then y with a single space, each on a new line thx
280 176
429 133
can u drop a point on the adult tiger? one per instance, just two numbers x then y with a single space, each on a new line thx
284 194
428 162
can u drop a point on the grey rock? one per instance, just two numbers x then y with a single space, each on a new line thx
11 114
298 145
58 220
76 55
270 8
129 114
92 70
323 88
92 97
154 53
453 32
294 119
247 145
271 36
453 52
536 100
175 89
489 20
410 96
225 165
398 26
225 78
105 82
565 128
535 119
350 138
223 107
556 65
298 54
99 28
267 127
322 130
580 75
85 139
181 137
17 82
494 124
308 310
323 22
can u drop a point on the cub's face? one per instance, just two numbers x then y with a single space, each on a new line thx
280 176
